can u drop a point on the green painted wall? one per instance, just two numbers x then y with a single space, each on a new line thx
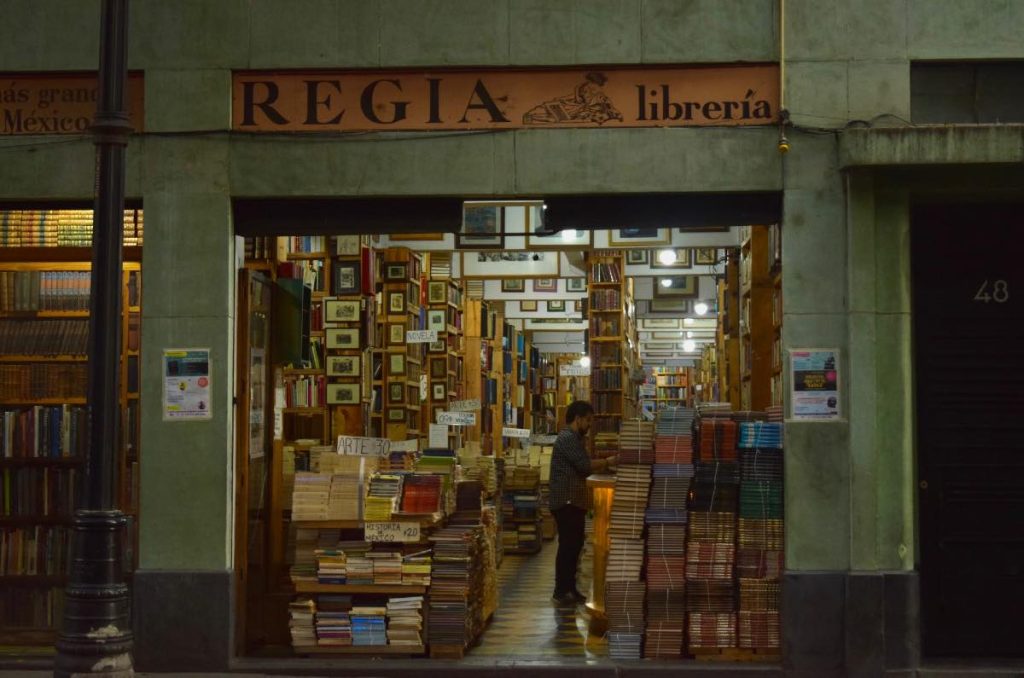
849 484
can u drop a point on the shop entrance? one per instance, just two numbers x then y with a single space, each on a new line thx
459 331
969 343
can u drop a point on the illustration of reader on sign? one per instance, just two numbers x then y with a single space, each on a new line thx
587 103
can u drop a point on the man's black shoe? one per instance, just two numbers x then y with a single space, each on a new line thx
564 598
580 598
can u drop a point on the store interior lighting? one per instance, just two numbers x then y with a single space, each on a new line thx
666 282
700 308
667 258
585 361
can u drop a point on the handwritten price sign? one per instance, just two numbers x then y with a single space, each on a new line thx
391 532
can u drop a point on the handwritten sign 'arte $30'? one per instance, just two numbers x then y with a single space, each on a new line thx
295 101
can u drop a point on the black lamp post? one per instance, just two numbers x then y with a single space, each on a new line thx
96 636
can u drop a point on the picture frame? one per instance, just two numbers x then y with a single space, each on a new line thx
346 245
435 412
569 239
528 305
575 284
344 338
396 393
513 285
681 306
545 285
639 237
396 334
345 278
667 336
683 260
437 292
342 310
579 305
661 323
436 320
438 390
343 394
482 226
343 365
556 306
396 302
683 287
438 368
396 364
705 256
396 271
638 257
511 264
396 414
438 346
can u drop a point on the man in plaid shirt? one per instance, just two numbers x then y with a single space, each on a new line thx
570 466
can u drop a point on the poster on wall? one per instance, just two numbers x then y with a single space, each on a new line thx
814 375
186 384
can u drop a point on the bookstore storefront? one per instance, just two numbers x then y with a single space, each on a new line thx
257 176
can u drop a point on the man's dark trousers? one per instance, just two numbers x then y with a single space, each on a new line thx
570 520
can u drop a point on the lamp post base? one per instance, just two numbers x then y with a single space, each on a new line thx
96 637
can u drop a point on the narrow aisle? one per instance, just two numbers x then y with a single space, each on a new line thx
528 624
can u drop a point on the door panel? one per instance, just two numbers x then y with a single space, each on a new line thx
968 292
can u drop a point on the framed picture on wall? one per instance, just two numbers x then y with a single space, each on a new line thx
345 277
510 264
396 364
346 245
705 256
396 334
438 390
396 392
343 365
669 306
513 285
396 414
683 286
682 259
556 305
482 226
437 292
528 305
437 347
661 323
396 302
639 237
341 310
436 320
438 368
342 337
576 284
395 270
342 394
545 285
579 305
638 257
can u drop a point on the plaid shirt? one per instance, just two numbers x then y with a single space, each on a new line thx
570 466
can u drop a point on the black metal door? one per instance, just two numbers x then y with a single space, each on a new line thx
968 296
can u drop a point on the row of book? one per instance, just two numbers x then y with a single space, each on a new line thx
44 337
60 228
31 607
605 326
38 491
338 621
38 550
307 391
605 273
51 432
44 290
606 300
603 378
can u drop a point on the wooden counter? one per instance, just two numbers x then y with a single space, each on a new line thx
602 489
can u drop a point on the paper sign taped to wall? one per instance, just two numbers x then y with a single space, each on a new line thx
186 373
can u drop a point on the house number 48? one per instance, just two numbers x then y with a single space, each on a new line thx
1000 292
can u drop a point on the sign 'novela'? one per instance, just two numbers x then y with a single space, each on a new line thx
58 104
322 101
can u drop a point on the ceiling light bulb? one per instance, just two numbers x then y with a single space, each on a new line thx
667 257
689 345
569 235
700 308
585 361
666 282
689 335
687 321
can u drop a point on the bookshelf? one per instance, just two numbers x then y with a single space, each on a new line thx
400 309
45 262
774 254
483 376
445 358
673 387
543 394
756 327
613 343
728 333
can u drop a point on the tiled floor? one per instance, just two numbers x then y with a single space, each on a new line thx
528 624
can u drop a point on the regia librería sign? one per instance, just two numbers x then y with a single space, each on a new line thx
509 99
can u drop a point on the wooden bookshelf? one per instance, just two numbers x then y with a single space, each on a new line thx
44 304
757 332
445 362
728 333
613 345
673 387
399 280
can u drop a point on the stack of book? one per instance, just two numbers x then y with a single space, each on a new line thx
456 587
369 624
330 566
421 493
636 442
405 620
624 605
301 623
760 559
416 569
387 567
333 621
309 500
383 496
606 445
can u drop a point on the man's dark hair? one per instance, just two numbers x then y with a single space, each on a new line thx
577 409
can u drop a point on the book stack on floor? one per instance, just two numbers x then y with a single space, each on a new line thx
711 545
760 560
625 590
666 519
369 623
456 589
